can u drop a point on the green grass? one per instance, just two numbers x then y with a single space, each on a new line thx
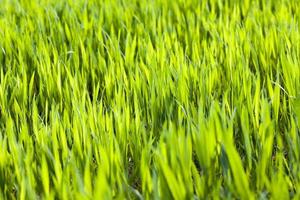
156 99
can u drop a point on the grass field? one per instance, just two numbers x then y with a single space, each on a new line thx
160 99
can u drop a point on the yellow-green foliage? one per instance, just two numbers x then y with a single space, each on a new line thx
160 99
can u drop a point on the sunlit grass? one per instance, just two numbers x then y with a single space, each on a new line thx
157 99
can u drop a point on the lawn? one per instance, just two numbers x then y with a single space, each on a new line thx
157 99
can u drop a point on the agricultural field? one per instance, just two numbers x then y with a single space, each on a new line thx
159 99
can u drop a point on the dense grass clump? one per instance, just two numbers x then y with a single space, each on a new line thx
161 99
